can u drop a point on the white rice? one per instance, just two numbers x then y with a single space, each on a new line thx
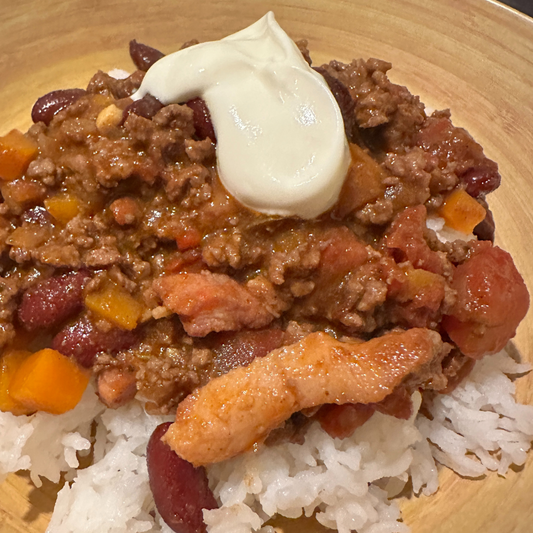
348 483
445 233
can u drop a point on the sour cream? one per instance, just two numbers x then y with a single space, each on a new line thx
281 146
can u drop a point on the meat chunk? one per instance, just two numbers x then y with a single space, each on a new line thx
209 302
234 412
116 387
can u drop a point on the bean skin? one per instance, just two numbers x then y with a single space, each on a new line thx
52 301
37 215
146 107
344 100
50 104
234 349
83 340
481 180
202 120
180 490
144 56
486 228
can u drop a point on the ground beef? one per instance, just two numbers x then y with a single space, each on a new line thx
134 203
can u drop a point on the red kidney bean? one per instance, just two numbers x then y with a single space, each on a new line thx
37 215
83 340
340 421
144 56
180 491
485 229
202 119
240 349
146 107
52 301
344 99
50 104
481 180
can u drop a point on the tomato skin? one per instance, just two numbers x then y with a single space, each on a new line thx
406 241
492 299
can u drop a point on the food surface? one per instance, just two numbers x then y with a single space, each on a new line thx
281 146
233 413
125 258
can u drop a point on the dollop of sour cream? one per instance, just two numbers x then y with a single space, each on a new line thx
281 146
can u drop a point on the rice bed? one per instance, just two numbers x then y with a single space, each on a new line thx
349 484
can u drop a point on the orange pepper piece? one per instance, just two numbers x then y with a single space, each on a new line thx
116 305
363 183
462 212
9 364
16 153
63 207
426 288
48 381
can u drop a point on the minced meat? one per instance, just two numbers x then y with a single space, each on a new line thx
176 282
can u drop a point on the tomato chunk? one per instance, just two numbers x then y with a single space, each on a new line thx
492 299
406 240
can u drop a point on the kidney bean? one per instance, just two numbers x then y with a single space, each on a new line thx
50 104
340 421
481 180
344 100
146 107
52 301
485 229
144 56
37 215
202 120
83 340
180 490
240 349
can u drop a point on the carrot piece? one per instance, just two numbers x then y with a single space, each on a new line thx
9 364
116 305
363 183
16 153
48 381
462 212
63 207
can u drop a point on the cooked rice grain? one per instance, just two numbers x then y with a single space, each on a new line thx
348 483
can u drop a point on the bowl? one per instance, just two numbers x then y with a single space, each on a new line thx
472 56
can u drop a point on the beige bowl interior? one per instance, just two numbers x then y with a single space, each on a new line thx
473 56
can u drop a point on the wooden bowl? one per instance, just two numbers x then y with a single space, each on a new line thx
472 56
